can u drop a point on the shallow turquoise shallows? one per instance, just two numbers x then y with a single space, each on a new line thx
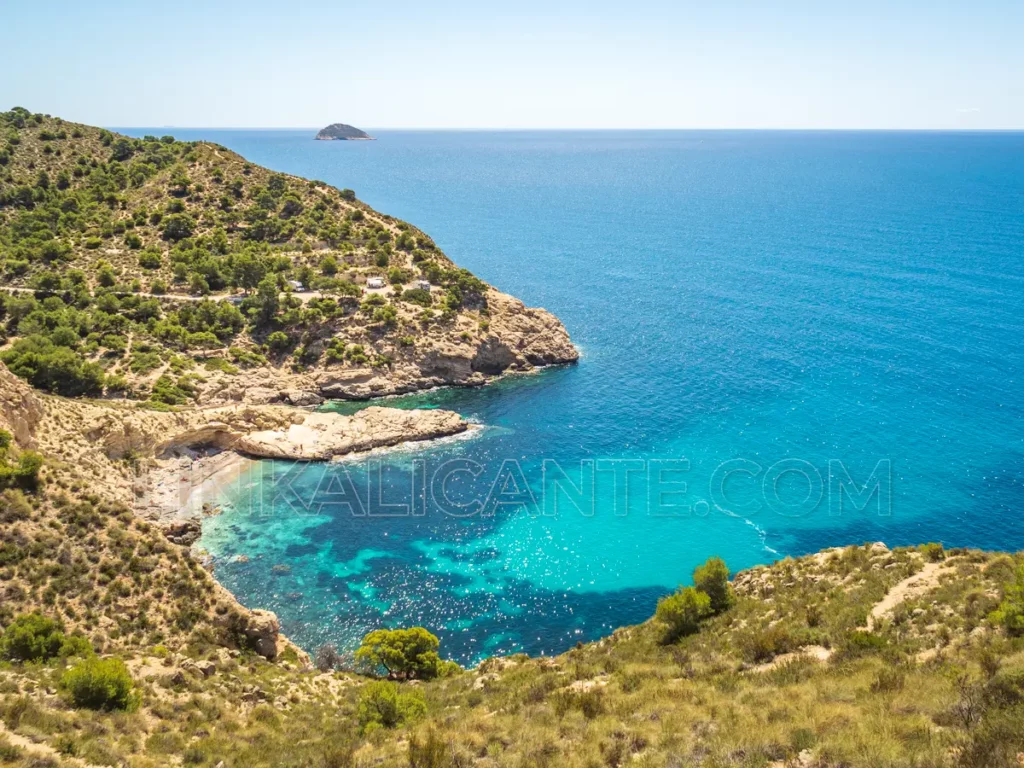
794 314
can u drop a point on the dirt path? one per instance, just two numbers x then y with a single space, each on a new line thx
913 586
303 296
40 750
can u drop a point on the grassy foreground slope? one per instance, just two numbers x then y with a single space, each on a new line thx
149 267
788 676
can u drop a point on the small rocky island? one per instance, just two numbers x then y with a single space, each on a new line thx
342 132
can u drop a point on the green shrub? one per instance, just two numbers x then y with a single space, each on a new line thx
382 704
402 653
933 552
889 680
683 611
278 341
31 637
432 752
712 579
418 296
219 364
1010 613
56 369
589 703
763 644
860 642
149 260
178 226
36 638
8 752
101 684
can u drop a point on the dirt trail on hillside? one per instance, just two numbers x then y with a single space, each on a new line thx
42 751
913 586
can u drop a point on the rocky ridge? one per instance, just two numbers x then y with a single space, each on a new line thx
519 339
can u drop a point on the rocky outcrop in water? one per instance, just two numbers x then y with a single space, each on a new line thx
342 132
267 431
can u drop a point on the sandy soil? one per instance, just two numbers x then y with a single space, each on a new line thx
187 486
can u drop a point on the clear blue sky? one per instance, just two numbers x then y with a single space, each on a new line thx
479 64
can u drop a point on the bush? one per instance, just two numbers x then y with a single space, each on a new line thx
417 296
327 658
178 226
149 260
933 552
278 341
683 611
712 578
860 642
589 703
23 473
14 506
760 645
381 704
402 653
432 752
101 684
1010 613
47 366
32 637
888 680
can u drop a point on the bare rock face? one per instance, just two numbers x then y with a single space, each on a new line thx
184 533
322 436
302 397
267 431
517 338
533 336
263 630
21 409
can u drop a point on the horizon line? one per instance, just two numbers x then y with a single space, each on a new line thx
425 129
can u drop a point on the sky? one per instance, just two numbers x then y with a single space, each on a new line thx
518 65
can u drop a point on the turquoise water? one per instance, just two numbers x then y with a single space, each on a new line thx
854 298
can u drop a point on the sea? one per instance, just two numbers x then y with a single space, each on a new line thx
788 341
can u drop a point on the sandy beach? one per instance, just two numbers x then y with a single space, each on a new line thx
187 486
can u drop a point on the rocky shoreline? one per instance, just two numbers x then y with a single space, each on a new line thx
190 471
170 468
518 339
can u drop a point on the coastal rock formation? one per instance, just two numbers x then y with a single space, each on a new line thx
518 339
268 431
276 432
342 132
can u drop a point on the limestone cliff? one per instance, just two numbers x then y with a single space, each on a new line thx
518 339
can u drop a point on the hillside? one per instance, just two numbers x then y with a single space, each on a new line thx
160 270
342 132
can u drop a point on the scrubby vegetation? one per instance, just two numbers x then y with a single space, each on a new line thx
114 249
118 649
790 664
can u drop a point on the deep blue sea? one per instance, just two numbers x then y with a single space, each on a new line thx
791 313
